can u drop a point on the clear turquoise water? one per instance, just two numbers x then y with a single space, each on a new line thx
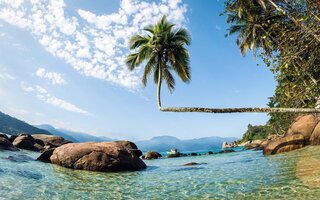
240 175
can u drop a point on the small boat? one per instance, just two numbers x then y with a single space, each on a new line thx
173 153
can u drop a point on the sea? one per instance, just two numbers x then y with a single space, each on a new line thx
238 175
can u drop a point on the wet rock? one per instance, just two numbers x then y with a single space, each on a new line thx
193 154
191 164
209 153
103 156
12 138
152 155
7 145
4 136
27 142
284 144
227 151
45 155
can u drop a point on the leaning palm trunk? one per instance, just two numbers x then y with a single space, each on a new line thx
229 110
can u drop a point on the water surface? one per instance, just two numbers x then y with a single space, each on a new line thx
239 175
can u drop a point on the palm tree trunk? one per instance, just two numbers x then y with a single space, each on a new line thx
159 89
240 110
298 23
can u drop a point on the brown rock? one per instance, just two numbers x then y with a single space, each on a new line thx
152 155
191 164
273 137
4 136
12 138
315 137
285 144
132 147
303 125
7 145
50 140
254 144
27 142
45 155
103 156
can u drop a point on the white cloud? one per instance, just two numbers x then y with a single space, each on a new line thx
95 45
53 77
6 76
26 88
218 28
2 34
43 95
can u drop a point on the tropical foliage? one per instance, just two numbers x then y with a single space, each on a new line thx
163 49
286 36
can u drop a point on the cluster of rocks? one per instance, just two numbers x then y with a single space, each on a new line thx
102 156
305 130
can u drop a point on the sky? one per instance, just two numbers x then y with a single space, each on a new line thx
62 63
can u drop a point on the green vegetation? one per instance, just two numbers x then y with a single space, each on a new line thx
286 36
13 126
163 48
255 133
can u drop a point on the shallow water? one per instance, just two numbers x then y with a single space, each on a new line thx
239 175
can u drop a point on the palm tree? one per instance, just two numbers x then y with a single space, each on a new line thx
163 50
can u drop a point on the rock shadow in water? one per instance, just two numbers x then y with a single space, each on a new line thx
188 169
19 158
28 174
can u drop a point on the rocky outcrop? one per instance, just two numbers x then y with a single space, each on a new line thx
304 125
152 155
315 137
132 147
104 156
50 140
27 142
5 144
254 144
284 144
226 145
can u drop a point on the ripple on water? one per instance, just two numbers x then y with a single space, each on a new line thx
243 175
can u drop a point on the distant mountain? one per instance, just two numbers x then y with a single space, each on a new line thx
14 126
164 143
73 135
54 131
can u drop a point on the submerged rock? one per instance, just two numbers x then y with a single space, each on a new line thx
227 151
103 156
7 145
191 164
152 155
19 158
284 144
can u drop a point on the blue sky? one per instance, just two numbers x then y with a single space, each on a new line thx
61 63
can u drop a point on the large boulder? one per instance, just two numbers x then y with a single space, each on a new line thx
152 155
5 144
132 147
103 156
285 144
27 142
303 125
315 137
50 140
